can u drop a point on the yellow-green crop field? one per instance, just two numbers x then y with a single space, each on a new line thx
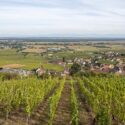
94 100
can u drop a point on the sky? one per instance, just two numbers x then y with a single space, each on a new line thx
62 18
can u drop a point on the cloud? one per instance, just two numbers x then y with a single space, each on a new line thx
62 17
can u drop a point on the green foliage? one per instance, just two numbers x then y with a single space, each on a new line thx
8 76
75 68
27 93
64 59
105 95
74 106
103 117
31 60
24 54
54 100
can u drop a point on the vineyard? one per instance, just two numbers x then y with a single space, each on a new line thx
98 100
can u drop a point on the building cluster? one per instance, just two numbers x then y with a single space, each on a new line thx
104 62
108 62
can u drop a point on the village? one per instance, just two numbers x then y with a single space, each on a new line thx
90 56
105 62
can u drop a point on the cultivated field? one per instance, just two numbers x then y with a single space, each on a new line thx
12 59
77 101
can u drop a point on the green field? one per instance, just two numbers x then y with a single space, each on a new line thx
30 61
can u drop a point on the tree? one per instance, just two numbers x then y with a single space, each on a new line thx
75 68
24 54
64 59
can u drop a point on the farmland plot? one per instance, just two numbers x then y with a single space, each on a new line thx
77 101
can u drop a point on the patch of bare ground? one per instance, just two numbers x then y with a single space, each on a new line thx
16 117
115 121
63 113
86 116
13 66
39 117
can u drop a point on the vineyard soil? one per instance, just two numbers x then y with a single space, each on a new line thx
63 110
85 112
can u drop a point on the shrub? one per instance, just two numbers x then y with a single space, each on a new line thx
103 117
75 68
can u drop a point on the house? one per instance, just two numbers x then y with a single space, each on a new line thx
54 49
66 71
69 62
116 69
61 63
111 66
40 71
122 69
106 68
52 72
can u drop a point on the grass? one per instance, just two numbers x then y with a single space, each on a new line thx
71 54
30 61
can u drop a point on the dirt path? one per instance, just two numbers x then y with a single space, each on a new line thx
63 113
41 116
85 113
